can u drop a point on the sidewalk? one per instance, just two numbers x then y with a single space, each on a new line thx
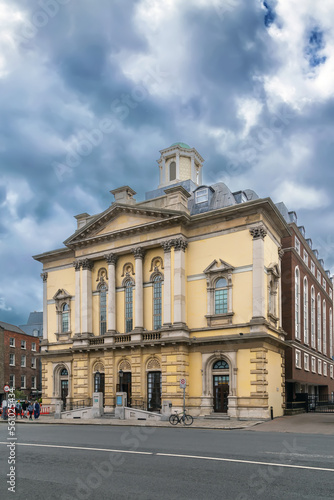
305 423
199 423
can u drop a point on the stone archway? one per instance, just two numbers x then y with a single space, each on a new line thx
62 390
208 361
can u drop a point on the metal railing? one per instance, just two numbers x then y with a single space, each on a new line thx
77 405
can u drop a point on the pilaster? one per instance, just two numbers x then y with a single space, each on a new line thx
86 296
139 308
44 277
111 320
77 307
258 233
167 245
180 246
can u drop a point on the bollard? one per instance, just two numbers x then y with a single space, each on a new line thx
271 413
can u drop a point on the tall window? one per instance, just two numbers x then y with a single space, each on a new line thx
319 321
297 304
157 302
221 296
23 361
312 317
12 381
128 305
330 333
33 382
305 296
172 171
65 318
11 342
23 381
103 309
12 359
324 325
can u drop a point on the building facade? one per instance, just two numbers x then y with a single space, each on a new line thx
20 368
307 300
185 284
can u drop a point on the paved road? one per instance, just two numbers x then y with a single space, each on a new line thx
98 462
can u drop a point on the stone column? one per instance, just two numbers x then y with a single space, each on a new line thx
44 277
139 306
193 169
280 254
77 325
177 166
180 246
86 296
258 233
111 259
167 318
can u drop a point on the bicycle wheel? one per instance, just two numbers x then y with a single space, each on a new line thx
188 420
173 419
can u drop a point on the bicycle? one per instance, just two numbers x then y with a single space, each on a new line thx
178 418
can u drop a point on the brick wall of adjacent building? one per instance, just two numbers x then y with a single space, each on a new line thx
18 351
290 260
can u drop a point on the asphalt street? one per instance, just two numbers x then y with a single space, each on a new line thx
99 462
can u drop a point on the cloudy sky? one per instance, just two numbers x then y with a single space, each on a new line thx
90 91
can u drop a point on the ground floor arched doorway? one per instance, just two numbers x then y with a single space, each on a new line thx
154 391
221 380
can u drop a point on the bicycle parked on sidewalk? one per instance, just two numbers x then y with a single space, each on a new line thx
178 418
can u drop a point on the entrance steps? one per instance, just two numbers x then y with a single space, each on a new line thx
217 416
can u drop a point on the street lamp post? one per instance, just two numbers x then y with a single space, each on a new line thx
120 380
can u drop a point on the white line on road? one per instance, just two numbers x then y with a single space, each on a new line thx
245 462
80 448
174 455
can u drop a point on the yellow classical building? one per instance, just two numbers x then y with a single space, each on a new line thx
185 284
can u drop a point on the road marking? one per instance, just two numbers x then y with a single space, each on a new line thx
81 448
245 462
174 455
307 455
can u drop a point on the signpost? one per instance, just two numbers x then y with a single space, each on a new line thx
183 385
6 388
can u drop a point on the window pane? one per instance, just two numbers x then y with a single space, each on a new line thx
103 311
128 306
220 301
172 171
221 283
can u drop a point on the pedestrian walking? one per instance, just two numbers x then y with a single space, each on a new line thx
24 409
37 410
18 409
30 410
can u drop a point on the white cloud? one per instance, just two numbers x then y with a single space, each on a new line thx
3 306
300 196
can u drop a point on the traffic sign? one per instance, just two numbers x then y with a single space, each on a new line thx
6 388
183 383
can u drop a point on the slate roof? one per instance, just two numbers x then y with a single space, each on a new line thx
11 328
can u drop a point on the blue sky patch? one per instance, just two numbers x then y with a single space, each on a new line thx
314 47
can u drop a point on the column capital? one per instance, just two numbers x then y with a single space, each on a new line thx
258 232
77 264
87 264
44 276
280 253
167 245
180 244
111 258
138 252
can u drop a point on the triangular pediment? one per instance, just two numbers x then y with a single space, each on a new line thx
119 219
61 294
218 266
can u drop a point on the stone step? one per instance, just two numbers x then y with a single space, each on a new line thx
217 416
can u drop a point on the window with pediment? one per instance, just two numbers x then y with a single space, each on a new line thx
219 293
63 310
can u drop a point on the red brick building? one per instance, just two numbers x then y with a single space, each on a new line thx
19 366
307 315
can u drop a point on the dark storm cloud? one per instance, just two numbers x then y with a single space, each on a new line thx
97 61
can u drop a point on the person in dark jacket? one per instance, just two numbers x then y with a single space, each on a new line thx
37 410
30 410
24 409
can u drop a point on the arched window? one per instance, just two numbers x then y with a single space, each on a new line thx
157 302
220 365
319 322
330 333
297 304
305 309
64 372
312 317
103 309
172 171
221 296
324 328
128 305
65 318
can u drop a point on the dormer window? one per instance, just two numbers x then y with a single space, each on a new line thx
201 195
